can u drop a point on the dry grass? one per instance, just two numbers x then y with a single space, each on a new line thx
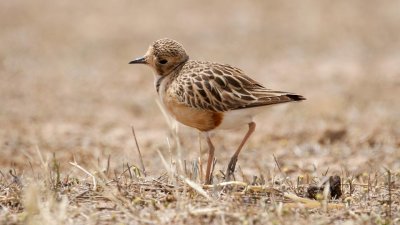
68 100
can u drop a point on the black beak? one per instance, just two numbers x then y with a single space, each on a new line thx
141 60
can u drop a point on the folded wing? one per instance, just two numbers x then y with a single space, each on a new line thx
220 88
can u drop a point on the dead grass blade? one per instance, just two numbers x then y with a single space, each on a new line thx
223 184
308 203
140 154
87 172
196 187
191 184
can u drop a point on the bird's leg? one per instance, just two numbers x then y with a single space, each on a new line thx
210 160
232 163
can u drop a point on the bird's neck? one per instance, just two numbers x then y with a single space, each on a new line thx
157 81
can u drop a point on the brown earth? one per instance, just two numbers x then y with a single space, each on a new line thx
68 94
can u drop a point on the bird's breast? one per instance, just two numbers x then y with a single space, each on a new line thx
203 120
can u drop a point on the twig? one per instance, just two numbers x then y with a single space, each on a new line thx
277 163
140 154
129 170
41 157
85 171
247 187
389 214
212 168
238 183
108 164
308 203
299 201
204 211
311 205
168 168
284 173
192 184
326 172
196 187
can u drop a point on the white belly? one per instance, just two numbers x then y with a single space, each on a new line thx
237 118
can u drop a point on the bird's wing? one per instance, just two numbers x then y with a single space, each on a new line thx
220 88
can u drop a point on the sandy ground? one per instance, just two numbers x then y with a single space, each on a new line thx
67 91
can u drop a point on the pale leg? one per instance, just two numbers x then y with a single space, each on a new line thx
232 163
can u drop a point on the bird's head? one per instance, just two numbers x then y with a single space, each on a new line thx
163 56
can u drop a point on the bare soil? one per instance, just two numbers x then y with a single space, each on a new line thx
69 99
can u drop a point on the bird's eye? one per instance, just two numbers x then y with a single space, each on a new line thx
163 61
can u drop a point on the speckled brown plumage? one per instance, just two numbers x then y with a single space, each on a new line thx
220 88
208 95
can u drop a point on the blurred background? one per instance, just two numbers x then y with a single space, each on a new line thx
66 86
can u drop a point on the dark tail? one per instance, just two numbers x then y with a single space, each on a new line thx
295 97
271 100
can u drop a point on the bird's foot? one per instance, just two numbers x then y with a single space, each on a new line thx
231 168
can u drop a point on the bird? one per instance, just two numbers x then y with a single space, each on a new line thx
208 96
